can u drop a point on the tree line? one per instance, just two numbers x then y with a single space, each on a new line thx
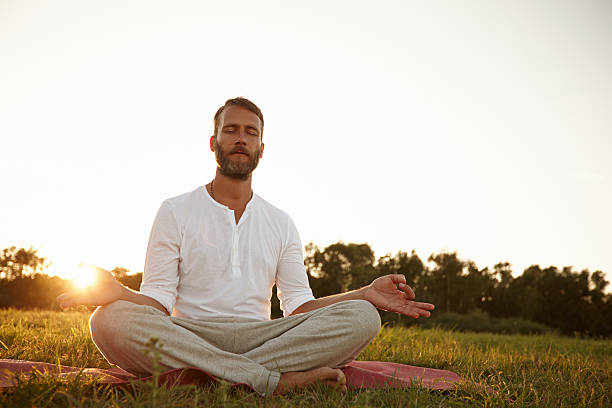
561 298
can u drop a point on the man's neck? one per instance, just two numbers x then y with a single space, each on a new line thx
233 193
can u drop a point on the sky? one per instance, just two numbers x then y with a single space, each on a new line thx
482 127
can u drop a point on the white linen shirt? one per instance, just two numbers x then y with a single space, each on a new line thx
201 264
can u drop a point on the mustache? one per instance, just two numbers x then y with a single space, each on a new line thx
239 150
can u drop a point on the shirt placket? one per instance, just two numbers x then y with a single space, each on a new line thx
235 250
235 253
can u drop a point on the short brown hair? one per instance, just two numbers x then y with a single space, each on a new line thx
239 101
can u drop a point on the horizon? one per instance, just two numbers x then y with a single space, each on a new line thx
74 275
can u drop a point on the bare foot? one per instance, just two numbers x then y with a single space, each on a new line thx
297 380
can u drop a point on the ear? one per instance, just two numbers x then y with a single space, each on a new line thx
261 151
212 143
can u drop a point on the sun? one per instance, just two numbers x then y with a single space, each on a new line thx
84 276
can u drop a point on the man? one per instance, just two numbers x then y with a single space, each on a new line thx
214 255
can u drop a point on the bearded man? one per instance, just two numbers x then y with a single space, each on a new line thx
213 257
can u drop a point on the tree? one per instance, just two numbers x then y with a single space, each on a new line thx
17 262
132 281
339 267
455 285
444 280
119 272
402 263
568 300
498 300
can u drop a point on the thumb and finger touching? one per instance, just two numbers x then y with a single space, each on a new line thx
71 298
409 306
407 290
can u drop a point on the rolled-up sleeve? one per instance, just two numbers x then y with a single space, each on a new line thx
291 279
161 272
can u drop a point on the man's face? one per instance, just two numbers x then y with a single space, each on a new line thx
237 144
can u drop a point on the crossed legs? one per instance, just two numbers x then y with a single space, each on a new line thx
302 348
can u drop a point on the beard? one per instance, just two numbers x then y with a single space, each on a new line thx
233 169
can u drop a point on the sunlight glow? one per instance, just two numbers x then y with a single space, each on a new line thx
84 276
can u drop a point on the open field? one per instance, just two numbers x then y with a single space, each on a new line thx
542 370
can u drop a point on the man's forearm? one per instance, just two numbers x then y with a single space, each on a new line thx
357 294
140 299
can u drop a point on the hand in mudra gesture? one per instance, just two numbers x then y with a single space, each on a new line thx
104 290
391 293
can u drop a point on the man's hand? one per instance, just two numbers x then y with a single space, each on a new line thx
391 293
105 290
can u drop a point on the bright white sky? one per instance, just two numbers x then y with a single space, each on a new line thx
483 127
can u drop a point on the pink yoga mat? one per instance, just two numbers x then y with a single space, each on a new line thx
359 374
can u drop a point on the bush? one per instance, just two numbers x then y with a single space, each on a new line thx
36 291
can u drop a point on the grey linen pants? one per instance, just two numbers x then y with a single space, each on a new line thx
236 349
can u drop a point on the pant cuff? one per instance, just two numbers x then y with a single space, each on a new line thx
267 383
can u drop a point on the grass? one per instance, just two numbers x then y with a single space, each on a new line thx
531 371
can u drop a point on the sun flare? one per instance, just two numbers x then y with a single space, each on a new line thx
84 276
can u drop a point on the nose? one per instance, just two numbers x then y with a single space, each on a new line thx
242 137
